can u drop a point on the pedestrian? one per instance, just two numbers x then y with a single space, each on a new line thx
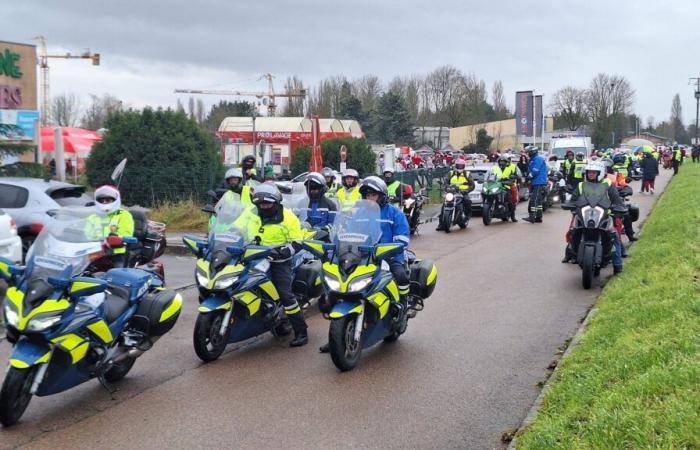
677 159
695 153
650 169
537 175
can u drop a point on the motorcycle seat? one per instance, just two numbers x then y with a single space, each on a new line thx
116 302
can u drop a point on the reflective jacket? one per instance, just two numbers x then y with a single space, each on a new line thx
577 169
274 231
463 182
394 228
621 169
566 165
244 197
348 197
332 190
511 171
677 155
537 171
119 223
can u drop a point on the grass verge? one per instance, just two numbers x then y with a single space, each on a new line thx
633 380
180 216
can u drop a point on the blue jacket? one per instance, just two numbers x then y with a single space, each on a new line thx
537 171
394 228
321 212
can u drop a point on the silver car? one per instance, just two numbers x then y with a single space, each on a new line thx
32 201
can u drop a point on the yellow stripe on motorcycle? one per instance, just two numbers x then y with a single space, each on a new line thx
15 296
44 359
383 248
68 341
393 290
102 331
318 281
5 269
18 364
46 306
432 275
79 352
227 270
225 306
293 311
270 290
337 315
251 301
316 246
79 285
174 308
250 252
382 302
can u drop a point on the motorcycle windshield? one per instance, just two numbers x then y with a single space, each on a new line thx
361 225
233 224
67 245
594 194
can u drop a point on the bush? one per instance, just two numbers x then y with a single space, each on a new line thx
360 156
169 157
24 169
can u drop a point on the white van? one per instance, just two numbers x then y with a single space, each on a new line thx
560 146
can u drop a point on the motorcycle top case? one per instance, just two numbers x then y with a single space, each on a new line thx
161 309
423 278
305 279
633 212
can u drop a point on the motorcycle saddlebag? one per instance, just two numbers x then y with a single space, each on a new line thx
158 312
634 212
423 278
305 280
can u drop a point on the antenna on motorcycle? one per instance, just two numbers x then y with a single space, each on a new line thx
118 173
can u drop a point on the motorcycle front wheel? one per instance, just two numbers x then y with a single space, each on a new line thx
15 395
587 266
487 213
345 352
209 344
446 221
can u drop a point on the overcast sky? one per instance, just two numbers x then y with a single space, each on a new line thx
150 47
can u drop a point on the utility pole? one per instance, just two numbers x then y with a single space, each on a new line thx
44 64
696 82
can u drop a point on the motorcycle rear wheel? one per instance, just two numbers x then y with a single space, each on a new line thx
15 396
119 371
209 344
587 267
345 352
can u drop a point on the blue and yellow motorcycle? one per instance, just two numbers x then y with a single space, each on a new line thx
361 295
237 298
68 328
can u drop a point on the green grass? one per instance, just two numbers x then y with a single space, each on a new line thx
180 216
633 381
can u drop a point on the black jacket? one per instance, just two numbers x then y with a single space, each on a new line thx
649 167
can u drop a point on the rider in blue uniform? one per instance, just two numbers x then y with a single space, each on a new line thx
321 208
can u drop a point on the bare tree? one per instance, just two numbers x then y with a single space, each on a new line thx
201 115
65 110
499 101
609 95
99 110
294 106
367 89
650 124
179 107
570 104
191 108
676 109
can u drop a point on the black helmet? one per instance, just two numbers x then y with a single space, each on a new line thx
580 156
248 161
503 162
531 150
619 158
374 185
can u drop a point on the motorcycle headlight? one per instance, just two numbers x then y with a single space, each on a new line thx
555 198
449 197
360 284
225 282
41 323
11 315
332 282
202 278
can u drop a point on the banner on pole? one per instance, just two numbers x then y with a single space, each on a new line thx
523 113
538 114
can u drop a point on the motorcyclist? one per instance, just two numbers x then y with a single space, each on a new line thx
620 165
395 229
110 220
236 188
677 159
394 186
332 186
249 170
508 173
537 172
617 180
278 227
462 179
320 207
567 163
594 173
575 175
350 192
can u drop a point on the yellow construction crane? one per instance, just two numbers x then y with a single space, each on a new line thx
44 64
270 94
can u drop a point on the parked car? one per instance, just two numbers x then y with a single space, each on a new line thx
10 242
478 173
32 201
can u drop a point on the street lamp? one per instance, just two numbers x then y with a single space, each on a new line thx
697 111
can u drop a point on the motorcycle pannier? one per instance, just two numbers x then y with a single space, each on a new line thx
160 308
634 212
423 278
305 280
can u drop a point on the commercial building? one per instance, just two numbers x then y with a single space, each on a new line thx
275 139
18 96
503 133
436 137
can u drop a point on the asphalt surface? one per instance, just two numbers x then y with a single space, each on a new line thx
466 371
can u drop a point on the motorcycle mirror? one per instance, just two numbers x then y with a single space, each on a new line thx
118 172
568 206
209 209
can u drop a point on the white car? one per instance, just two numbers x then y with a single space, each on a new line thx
10 242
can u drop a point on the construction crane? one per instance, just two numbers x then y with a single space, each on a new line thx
270 94
44 64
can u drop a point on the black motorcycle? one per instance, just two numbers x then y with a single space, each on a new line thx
635 171
454 205
554 190
591 234
412 207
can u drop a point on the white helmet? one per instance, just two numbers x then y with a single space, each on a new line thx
234 172
595 166
107 192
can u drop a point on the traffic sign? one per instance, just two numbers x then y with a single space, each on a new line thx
343 153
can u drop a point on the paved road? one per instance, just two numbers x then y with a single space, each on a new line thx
465 372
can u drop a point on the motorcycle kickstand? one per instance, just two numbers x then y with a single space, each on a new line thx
103 382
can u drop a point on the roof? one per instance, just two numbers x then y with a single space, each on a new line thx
266 124
331 125
351 126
